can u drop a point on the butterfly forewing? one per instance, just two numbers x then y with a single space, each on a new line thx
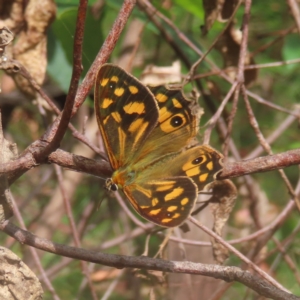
126 113
178 121
166 202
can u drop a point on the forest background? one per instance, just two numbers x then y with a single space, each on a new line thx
242 58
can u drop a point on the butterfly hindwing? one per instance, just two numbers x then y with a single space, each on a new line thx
166 202
163 193
200 163
126 112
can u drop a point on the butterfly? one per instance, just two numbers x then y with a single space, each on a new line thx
148 134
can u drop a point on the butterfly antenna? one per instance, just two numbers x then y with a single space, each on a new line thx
203 202
99 203
200 208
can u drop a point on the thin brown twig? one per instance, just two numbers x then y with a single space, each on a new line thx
84 218
103 246
261 100
287 258
150 10
294 6
152 14
33 251
22 70
214 119
237 253
253 236
148 227
77 69
103 169
284 246
104 52
82 91
273 136
273 64
266 146
230 122
212 45
128 212
77 242
240 74
282 34
260 285
248 67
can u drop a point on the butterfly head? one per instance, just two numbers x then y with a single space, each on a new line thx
119 179
110 185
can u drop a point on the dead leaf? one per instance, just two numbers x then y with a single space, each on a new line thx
154 75
101 275
220 10
229 45
227 10
221 204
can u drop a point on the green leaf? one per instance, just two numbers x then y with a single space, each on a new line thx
59 68
193 7
61 42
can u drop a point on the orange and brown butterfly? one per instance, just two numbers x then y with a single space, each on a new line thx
146 132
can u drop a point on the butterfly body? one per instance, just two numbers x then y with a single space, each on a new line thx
148 134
